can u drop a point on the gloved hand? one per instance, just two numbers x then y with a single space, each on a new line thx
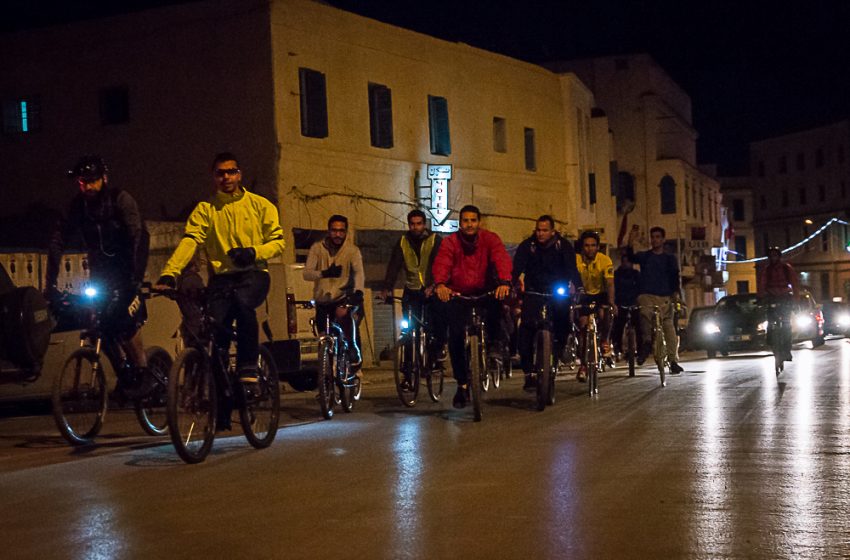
333 271
167 281
242 256
356 299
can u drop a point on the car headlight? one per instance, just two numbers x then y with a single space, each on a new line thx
762 326
711 328
843 319
802 321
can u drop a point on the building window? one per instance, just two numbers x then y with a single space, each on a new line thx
801 161
114 105
591 187
763 202
825 293
530 150
819 157
668 195
802 196
785 198
824 241
438 122
765 239
787 237
743 286
738 209
500 135
805 236
380 116
740 247
761 169
625 190
314 103
22 116
821 193
783 164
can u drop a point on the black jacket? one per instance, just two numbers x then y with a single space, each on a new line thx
546 266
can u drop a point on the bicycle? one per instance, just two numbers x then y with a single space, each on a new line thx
545 360
629 341
202 385
659 343
413 360
592 358
336 382
778 335
475 344
80 398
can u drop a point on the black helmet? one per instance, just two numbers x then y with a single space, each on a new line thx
587 235
89 168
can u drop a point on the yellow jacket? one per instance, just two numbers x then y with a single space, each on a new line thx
227 221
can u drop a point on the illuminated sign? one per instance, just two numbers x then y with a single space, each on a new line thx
440 175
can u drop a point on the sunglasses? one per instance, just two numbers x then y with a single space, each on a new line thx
223 172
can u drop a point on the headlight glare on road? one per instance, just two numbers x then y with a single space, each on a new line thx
803 321
711 328
762 326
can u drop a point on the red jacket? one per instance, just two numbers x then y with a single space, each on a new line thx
463 266
778 279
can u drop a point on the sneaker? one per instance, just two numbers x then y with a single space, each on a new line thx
643 354
143 387
675 368
460 397
530 382
223 424
606 350
581 376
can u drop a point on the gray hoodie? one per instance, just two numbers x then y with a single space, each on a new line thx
348 256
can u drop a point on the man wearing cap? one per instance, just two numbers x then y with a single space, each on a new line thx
116 241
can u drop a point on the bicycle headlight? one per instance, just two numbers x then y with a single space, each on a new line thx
560 291
711 328
404 324
762 326
802 321
91 292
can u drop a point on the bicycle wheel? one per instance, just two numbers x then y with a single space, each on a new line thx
326 378
80 397
569 356
192 405
494 371
151 410
476 367
406 371
543 365
660 355
434 374
345 383
260 408
631 349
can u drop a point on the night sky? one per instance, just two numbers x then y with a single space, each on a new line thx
752 69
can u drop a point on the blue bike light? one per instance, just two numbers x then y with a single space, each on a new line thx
90 292
404 324
561 291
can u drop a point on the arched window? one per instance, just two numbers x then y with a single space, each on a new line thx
668 195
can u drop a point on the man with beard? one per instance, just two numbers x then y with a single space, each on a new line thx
547 262
461 267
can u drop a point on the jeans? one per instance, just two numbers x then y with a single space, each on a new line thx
348 323
235 297
458 314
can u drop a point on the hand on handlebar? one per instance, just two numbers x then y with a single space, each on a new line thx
502 292
443 292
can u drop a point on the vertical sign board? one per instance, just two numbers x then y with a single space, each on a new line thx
440 175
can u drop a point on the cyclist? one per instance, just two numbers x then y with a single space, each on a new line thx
335 266
597 276
778 280
415 252
546 261
462 266
626 289
117 242
659 286
240 232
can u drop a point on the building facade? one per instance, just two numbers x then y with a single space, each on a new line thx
738 201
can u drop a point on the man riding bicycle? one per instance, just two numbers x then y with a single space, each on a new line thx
240 232
597 276
546 261
462 266
415 253
117 251
335 266
778 283
626 286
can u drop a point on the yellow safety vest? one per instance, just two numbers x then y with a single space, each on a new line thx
416 268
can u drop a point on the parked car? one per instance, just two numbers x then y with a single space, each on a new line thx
807 320
836 318
694 335
739 322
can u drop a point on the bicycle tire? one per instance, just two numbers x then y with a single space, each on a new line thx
80 397
570 354
494 370
475 368
405 357
344 383
325 379
660 355
152 410
192 405
543 365
631 350
259 412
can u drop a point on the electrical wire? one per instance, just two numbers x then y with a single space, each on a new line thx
794 247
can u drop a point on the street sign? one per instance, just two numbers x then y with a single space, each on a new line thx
448 226
439 172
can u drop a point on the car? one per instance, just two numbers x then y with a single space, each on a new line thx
836 318
739 322
807 320
694 335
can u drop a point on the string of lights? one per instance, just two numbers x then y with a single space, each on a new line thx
794 247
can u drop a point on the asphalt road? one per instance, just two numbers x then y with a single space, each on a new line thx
728 461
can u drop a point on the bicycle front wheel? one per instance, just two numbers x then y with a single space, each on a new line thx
543 365
192 406
345 383
406 371
660 355
434 376
326 378
260 410
631 349
151 410
80 397
476 374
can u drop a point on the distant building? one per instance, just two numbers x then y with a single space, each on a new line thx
800 181
738 201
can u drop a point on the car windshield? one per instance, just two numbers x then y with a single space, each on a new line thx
745 305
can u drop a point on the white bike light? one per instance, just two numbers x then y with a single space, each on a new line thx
90 291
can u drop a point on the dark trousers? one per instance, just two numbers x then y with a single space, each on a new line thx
235 297
457 313
559 310
349 324
429 309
